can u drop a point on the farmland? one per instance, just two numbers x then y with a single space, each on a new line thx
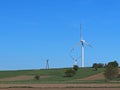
53 79
47 76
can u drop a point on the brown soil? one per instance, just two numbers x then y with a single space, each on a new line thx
17 78
59 86
99 76
61 89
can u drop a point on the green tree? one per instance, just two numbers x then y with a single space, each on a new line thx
111 70
95 66
114 64
100 65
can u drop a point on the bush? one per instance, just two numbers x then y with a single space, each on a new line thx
37 77
75 67
69 73
98 65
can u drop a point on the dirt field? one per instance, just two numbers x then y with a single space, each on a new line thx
62 89
99 76
58 85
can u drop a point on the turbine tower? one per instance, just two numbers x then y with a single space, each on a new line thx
83 43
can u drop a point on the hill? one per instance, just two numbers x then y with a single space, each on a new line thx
46 76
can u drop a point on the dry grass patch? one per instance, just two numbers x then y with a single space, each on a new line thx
99 76
24 77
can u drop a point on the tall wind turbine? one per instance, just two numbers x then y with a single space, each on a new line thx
83 43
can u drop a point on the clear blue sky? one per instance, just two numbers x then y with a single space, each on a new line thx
32 31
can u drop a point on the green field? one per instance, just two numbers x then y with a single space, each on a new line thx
52 75
81 73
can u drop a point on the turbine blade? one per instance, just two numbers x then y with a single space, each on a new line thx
80 31
71 56
88 44
75 46
79 57
71 51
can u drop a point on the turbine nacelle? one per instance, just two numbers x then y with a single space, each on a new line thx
83 42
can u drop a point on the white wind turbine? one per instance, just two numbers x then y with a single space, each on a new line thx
83 43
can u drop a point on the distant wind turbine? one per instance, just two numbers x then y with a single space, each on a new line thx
75 59
47 64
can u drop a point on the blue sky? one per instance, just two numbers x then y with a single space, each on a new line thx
32 31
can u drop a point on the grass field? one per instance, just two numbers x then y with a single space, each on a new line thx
54 79
50 76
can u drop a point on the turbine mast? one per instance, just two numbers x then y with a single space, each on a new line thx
82 56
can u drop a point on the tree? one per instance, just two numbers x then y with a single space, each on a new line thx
95 66
114 64
100 65
111 70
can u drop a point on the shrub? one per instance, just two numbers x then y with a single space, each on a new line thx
75 67
37 77
69 73
97 65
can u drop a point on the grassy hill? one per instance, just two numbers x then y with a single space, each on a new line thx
47 76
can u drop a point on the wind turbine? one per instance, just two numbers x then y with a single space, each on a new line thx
47 64
75 59
83 43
